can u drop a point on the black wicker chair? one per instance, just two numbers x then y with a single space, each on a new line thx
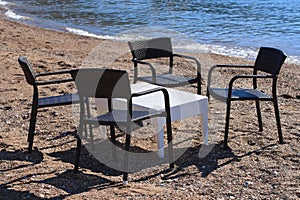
268 63
41 102
110 84
161 48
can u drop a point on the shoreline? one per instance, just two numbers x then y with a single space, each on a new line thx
255 166
230 51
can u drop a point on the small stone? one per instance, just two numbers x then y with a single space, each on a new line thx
247 183
25 116
55 114
275 173
7 108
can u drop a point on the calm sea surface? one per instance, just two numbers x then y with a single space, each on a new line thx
231 27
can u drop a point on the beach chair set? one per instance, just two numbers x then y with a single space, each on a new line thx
110 84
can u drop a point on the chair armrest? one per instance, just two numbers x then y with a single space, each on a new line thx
226 66
55 73
54 81
247 76
44 74
153 71
161 89
190 58
137 94
234 66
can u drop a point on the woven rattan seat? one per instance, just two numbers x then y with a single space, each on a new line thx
169 80
236 94
120 116
61 100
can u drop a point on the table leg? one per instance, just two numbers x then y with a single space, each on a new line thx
204 122
159 130
102 107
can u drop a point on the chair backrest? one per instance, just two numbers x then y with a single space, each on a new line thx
153 48
269 60
27 69
102 83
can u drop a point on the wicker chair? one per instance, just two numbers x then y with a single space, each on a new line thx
145 51
42 102
268 63
110 84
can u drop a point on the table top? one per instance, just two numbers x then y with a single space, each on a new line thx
182 104
177 97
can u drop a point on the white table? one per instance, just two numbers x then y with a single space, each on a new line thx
183 105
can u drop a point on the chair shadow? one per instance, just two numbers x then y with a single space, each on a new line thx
206 163
34 158
87 161
63 134
205 158
91 159
287 96
7 193
68 182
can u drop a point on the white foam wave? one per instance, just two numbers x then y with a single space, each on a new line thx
247 53
216 49
4 3
13 15
86 33
293 59
120 37
188 45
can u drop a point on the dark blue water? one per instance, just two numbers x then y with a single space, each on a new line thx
232 27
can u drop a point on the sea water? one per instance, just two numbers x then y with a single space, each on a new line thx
229 27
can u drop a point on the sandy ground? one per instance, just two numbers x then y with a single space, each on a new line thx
255 166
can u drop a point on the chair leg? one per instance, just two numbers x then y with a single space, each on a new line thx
170 142
85 125
278 121
32 125
90 126
113 140
259 116
199 87
135 73
127 146
207 93
78 136
77 156
227 124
